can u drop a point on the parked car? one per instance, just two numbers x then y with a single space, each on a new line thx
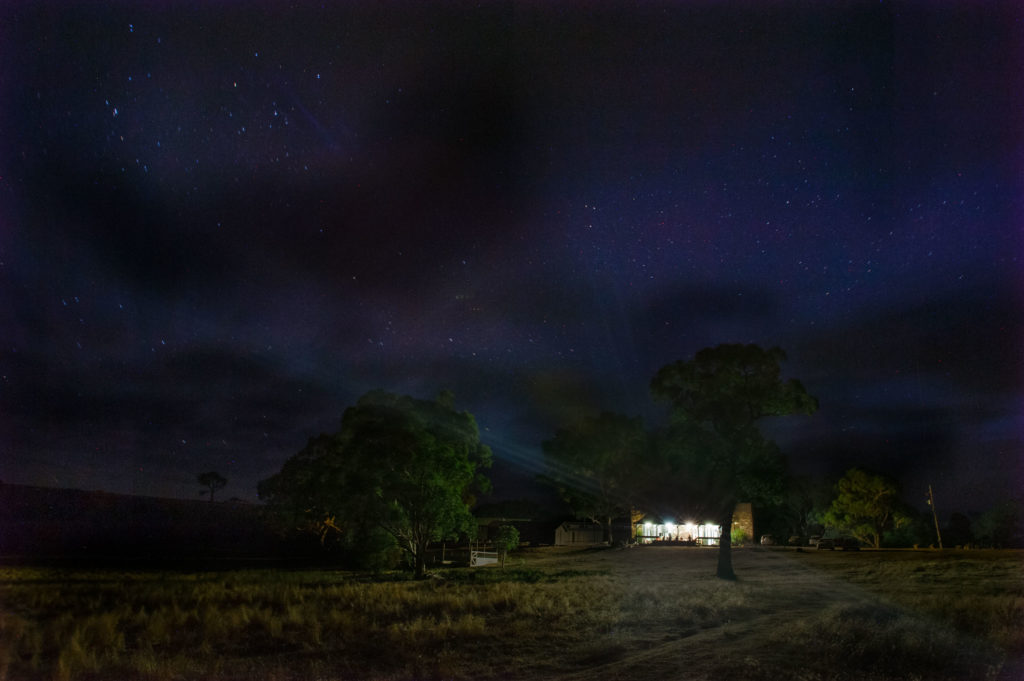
848 544
829 544
767 540
813 541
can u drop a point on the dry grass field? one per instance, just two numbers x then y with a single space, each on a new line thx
639 613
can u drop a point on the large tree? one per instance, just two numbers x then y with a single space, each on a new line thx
717 399
802 510
313 488
404 465
592 463
866 506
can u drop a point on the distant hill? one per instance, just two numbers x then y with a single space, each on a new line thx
38 523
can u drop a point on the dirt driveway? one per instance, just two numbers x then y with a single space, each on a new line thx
783 618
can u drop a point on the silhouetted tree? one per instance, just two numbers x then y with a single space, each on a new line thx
958 531
405 465
212 481
802 511
592 464
866 506
717 399
1000 526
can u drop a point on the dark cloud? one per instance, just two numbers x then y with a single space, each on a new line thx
967 338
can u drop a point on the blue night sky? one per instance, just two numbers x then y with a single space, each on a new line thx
221 223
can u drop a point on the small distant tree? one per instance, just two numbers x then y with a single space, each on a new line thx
212 482
866 506
506 541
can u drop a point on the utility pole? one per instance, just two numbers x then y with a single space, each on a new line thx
935 517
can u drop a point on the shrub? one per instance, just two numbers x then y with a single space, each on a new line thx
506 541
739 536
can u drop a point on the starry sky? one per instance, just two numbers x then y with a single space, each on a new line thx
221 223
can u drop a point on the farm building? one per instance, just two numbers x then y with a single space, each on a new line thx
584 533
704 534
575 533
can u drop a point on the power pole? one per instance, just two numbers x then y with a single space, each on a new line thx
935 517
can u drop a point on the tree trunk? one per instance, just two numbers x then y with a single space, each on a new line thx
608 530
724 570
421 561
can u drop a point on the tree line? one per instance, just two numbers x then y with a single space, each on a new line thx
402 473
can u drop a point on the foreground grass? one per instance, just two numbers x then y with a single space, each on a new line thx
979 593
640 613
958 608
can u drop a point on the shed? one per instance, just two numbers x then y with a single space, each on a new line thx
574 533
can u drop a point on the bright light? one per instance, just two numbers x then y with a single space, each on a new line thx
670 527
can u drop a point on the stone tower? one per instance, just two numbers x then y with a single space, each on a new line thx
743 519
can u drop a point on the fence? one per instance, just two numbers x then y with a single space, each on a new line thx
480 558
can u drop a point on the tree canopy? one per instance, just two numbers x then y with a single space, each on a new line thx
592 464
716 400
866 506
406 466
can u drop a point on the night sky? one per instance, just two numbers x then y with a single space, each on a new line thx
221 223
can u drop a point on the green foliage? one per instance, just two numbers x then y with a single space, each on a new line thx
801 509
311 489
406 466
739 536
729 387
506 540
716 400
594 464
915 529
371 548
212 481
866 506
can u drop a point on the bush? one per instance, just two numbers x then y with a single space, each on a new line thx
371 549
917 531
506 540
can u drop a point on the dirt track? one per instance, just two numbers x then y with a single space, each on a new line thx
788 592
795 591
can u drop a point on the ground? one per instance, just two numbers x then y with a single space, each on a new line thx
813 615
556 614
